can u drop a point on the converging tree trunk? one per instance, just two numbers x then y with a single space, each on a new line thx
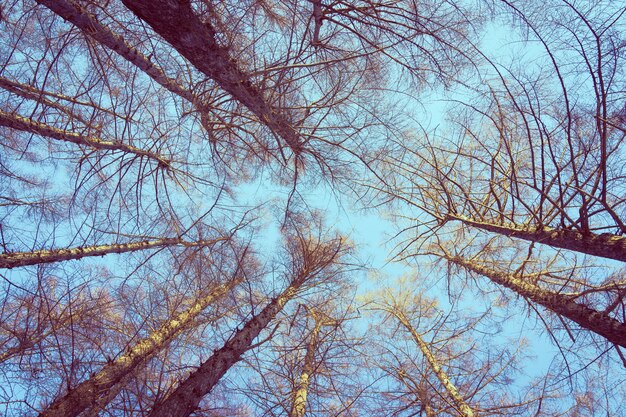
24 124
300 394
309 260
604 245
186 398
564 305
463 408
92 391
196 40
44 256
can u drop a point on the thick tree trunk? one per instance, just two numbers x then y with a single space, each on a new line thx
91 393
299 398
196 40
14 121
596 321
186 398
44 256
79 17
604 245
460 404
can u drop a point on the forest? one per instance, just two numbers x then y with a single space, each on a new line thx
237 208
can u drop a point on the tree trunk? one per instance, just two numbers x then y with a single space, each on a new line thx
604 245
299 398
186 397
464 409
196 40
44 256
88 23
596 321
91 392
17 122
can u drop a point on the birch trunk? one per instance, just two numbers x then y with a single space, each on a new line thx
17 259
596 321
92 392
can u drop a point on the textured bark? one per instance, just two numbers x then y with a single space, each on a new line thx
596 321
97 389
16 259
464 409
88 24
14 121
196 40
604 245
186 398
298 406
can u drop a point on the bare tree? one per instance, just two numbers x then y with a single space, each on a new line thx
312 260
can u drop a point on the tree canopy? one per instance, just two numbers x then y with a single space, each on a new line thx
184 183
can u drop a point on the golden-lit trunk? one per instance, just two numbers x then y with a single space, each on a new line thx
44 256
91 392
597 321
605 245
195 39
185 399
298 406
25 124
460 404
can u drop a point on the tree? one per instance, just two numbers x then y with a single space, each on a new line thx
139 128
434 360
310 261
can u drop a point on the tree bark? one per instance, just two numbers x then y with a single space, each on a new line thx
464 409
97 388
596 321
605 245
298 406
194 39
44 256
17 122
90 26
186 398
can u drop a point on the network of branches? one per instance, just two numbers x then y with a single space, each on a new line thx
180 180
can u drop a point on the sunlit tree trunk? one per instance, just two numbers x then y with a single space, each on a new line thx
605 245
597 321
196 40
186 398
79 17
24 124
299 398
44 256
95 389
464 409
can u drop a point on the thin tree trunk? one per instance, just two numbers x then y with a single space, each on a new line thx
459 402
299 399
92 392
17 259
605 245
196 40
31 93
17 122
186 398
596 321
